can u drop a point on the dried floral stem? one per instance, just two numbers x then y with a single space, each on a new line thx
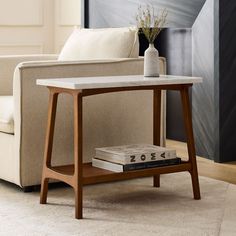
150 23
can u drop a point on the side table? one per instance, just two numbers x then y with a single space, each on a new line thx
80 174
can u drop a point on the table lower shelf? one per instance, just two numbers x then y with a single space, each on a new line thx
93 175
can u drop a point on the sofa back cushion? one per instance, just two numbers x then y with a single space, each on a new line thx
87 44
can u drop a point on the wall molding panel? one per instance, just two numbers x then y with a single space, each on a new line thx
21 13
16 49
36 26
69 13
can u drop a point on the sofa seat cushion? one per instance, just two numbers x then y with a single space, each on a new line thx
107 43
6 114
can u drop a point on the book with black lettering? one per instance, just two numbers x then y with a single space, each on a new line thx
115 167
135 153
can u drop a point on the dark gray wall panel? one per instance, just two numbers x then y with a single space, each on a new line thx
214 58
176 46
173 43
210 53
216 81
117 13
203 94
227 80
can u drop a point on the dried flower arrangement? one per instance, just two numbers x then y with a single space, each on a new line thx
149 22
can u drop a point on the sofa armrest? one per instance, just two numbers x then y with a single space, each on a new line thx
8 65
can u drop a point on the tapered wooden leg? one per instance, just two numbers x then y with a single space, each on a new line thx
156 127
48 144
44 191
78 161
190 141
156 181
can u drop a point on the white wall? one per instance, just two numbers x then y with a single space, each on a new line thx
36 26
68 15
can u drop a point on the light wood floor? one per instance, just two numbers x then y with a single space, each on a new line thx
208 168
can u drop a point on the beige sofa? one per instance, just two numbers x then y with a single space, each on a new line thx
110 119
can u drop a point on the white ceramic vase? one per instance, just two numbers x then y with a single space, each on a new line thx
151 62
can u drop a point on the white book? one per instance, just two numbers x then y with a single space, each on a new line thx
107 165
115 167
136 153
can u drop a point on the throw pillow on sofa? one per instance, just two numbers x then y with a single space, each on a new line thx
107 43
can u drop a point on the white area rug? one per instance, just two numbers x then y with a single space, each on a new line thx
123 208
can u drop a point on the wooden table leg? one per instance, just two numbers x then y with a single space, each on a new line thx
48 144
156 127
78 161
190 141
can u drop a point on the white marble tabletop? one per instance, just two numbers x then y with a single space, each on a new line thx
116 81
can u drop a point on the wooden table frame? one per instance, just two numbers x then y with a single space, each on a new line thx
81 174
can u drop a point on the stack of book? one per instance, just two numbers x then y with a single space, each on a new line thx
134 157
